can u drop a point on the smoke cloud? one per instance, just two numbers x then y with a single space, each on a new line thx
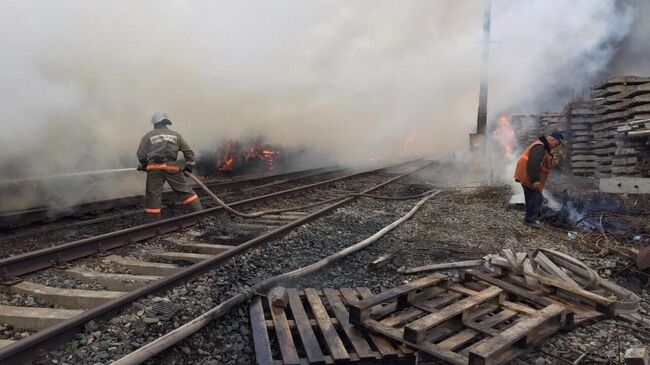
351 80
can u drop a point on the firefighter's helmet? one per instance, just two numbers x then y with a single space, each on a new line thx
159 117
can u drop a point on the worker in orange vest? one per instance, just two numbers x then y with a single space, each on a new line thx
533 168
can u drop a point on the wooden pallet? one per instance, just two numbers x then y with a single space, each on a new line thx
469 322
314 329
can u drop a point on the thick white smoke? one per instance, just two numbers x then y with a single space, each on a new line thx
354 80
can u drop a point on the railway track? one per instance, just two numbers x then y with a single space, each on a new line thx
127 264
22 217
28 238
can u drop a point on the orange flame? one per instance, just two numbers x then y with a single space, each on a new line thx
227 163
229 159
407 142
505 135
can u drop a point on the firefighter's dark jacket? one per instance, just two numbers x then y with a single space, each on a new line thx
161 145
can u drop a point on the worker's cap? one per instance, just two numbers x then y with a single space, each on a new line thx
159 117
557 135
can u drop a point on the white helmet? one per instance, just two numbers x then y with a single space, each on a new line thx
159 117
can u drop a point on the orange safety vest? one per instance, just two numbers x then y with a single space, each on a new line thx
521 173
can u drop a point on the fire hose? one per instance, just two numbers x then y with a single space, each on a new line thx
95 172
164 342
293 209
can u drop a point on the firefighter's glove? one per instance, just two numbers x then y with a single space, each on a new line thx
142 167
188 168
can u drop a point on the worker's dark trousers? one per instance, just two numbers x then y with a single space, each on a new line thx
176 180
534 200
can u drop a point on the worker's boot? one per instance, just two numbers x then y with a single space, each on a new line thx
151 217
195 205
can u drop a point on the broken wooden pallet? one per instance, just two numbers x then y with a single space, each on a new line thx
468 322
314 329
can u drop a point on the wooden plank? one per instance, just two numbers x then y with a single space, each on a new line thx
332 339
574 290
397 334
458 340
521 257
421 297
482 310
416 331
514 306
283 333
488 350
549 266
492 321
402 317
292 323
307 336
261 341
512 260
408 353
582 312
381 344
462 290
361 347
523 293
519 308
403 293
528 266
438 302
443 266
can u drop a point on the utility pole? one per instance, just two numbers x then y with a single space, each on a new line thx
477 140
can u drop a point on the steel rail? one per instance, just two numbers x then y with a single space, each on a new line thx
32 215
29 348
48 228
40 259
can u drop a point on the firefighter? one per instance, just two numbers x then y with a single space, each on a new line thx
157 156
533 168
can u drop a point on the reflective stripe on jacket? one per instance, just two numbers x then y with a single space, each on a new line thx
163 166
521 173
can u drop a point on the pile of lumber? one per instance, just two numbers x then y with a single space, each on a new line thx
552 272
475 320
621 102
495 312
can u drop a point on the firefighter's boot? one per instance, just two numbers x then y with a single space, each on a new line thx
151 217
194 206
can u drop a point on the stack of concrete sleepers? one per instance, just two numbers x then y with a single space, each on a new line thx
632 156
620 100
526 129
579 135
553 121
612 106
